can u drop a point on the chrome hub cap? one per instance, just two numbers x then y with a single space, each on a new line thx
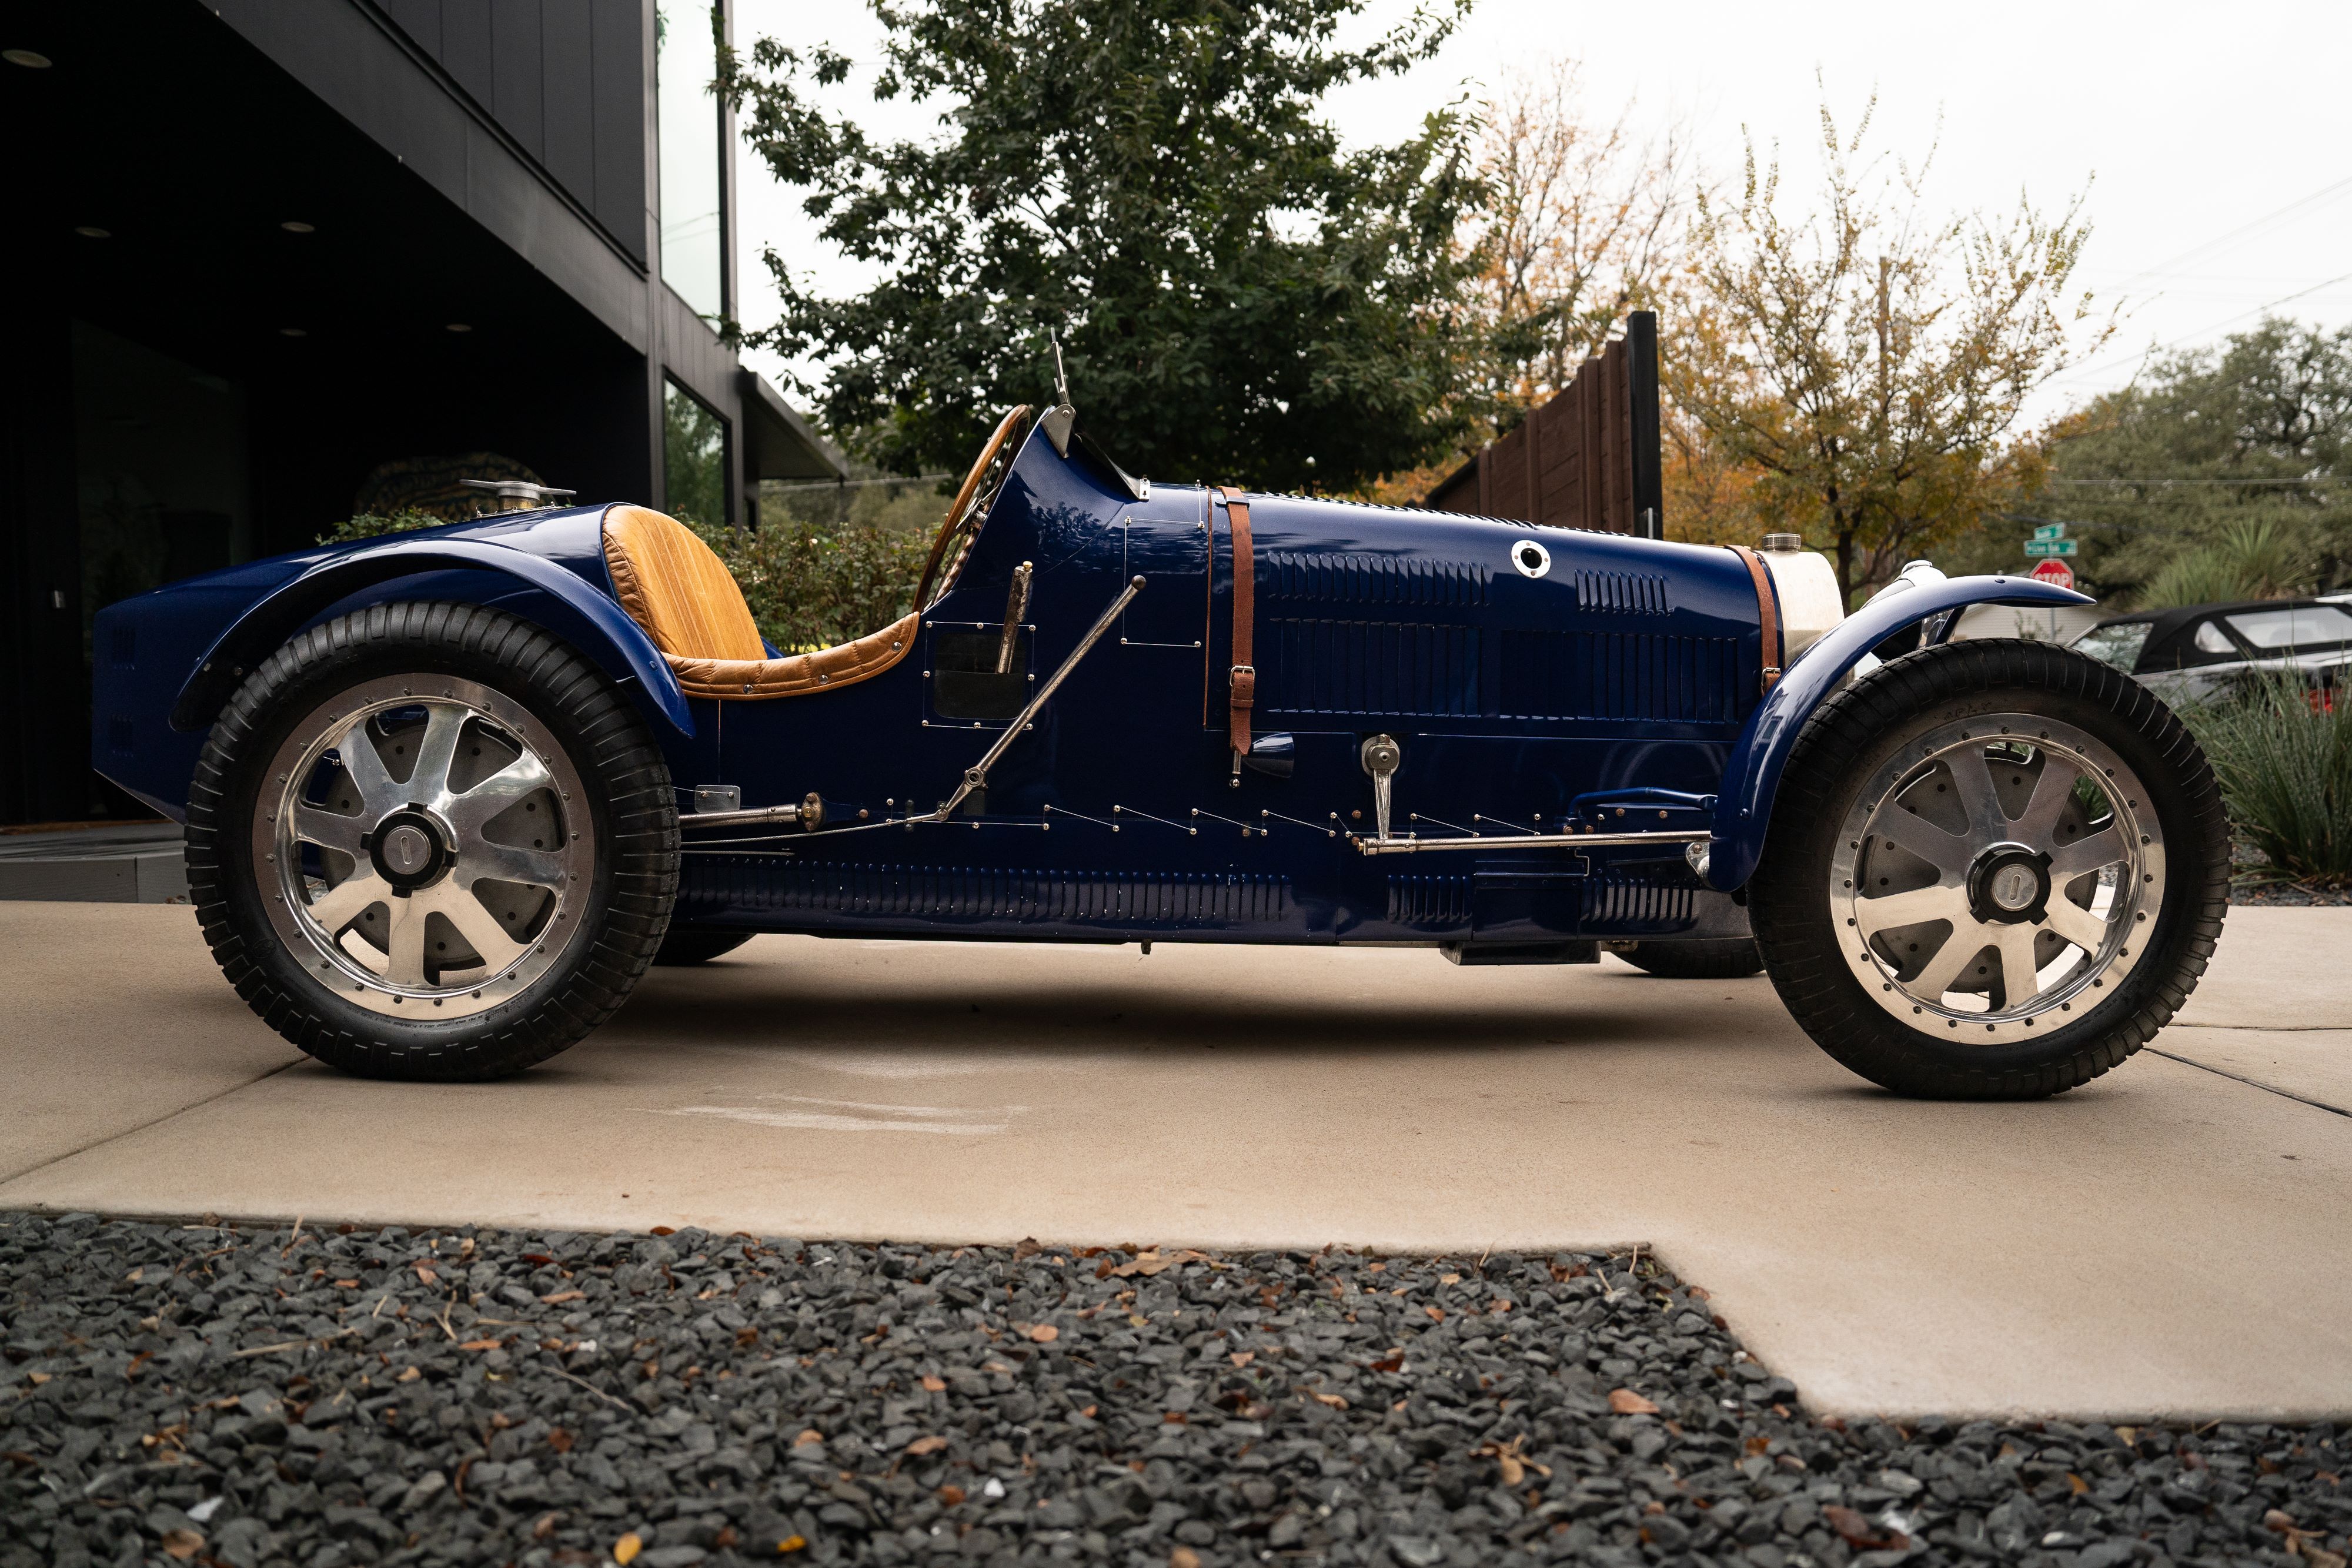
425 846
1997 878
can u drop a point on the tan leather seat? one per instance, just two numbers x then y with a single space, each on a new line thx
682 594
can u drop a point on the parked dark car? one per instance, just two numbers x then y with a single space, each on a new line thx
448 793
2192 654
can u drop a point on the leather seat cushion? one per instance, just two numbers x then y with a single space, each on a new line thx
673 586
795 673
683 595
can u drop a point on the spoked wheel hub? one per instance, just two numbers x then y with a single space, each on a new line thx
429 844
1993 878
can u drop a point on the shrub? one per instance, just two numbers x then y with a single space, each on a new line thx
2283 752
812 585
368 524
2256 559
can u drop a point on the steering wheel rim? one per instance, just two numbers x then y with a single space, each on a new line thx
961 510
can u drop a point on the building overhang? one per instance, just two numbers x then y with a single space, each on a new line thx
779 444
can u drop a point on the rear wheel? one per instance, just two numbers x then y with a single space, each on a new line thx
430 841
1697 959
1995 870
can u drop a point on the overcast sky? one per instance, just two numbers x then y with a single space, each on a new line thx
2213 140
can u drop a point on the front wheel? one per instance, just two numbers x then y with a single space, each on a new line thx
1994 871
431 841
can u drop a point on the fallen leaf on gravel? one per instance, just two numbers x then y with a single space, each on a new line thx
37 1378
559 1441
810 1435
561 1296
1336 1402
1859 1532
1449 1279
183 1543
1515 1464
934 1385
923 1445
1044 1334
544 1527
426 1274
481 1345
2077 1484
1151 1260
1242 1357
789 1543
1387 1364
626 1549
1183 1557
347 1284
1027 1247
950 1496
1436 1314
2281 1520
1625 1402
410 1375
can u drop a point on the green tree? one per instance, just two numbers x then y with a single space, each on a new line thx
1859 375
1240 296
2218 474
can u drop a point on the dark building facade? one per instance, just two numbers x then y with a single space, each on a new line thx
266 254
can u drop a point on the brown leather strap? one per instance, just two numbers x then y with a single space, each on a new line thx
1244 671
1768 614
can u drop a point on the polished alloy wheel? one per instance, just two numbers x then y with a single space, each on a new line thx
424 846
1995 879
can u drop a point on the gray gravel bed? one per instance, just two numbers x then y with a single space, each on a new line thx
256 1397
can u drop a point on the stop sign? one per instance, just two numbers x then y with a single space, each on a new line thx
2057 573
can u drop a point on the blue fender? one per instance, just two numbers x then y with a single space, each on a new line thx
1751 778
270 620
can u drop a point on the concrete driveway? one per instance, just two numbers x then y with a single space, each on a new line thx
2171 1240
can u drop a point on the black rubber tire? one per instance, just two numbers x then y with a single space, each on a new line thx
1697 958
632 811
691 945
1850 735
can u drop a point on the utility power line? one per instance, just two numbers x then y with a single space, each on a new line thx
2338 188
2270 305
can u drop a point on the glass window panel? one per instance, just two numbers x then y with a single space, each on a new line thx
2118 645
2211 639
694 459
2295 626
693 223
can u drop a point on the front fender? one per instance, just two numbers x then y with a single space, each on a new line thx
1751 778
270 621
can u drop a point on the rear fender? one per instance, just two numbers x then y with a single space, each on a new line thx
614 642
1751 778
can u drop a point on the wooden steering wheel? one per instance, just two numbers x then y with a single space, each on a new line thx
970 503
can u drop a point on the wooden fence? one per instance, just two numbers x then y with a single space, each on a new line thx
1587 458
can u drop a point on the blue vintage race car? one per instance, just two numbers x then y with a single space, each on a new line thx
448 793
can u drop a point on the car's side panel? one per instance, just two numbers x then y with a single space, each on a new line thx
1743 812
1118 816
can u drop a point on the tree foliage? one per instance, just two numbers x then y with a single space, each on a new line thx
1858 375
2218 474
1240 296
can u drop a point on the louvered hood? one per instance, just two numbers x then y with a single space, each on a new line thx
1378 614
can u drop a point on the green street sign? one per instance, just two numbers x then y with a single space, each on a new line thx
2050 532
2040 547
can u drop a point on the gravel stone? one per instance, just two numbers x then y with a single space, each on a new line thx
339 1397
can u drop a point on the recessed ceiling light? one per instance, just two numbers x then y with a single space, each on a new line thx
86 232
28 58
292 332
296 227
460 326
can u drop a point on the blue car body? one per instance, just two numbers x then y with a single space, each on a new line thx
1621 690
